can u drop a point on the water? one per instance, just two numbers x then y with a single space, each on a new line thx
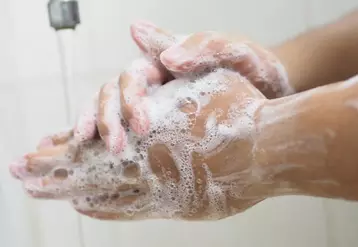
66 46
66 49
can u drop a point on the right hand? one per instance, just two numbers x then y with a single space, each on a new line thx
203 51
168 57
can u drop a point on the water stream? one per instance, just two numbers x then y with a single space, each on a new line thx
66 47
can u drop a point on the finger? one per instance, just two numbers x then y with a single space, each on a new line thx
18 168
57 139
41 162
151 39
210 50
109 118
203 50
101 215
111 202
65 182
135 83
54 186
85 128
112 206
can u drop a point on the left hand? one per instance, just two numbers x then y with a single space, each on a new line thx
198 161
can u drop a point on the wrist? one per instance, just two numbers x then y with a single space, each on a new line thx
306 147
291 143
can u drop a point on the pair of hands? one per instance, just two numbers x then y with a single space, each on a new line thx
172 137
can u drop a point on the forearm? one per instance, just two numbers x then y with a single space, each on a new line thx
311 142
323 55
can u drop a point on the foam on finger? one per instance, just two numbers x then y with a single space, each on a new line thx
109 117
85 128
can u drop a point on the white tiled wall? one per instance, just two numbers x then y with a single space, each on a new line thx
32 104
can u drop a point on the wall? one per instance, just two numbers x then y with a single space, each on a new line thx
32 104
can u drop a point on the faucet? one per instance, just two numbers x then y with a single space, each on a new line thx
64 18
63 14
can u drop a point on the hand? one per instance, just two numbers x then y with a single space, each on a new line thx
197 162
137 80
209 50
168 57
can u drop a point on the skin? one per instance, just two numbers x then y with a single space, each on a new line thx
320 140
276 162
323 55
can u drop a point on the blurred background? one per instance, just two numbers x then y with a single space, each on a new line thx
32 104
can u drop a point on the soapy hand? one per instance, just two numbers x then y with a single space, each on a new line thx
197 161
166 57
137 80
203 51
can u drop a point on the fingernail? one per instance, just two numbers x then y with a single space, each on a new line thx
139 30
142 29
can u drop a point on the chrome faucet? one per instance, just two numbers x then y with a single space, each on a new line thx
63 14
